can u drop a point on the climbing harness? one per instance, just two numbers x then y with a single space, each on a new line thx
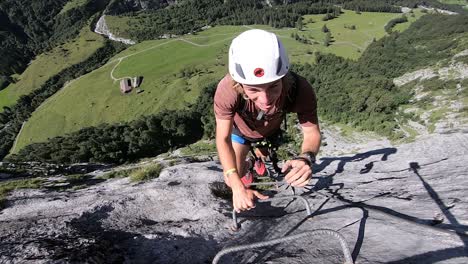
274 173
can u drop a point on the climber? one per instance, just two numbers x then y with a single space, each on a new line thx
250 104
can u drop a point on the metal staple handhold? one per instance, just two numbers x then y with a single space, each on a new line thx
306 203
344 245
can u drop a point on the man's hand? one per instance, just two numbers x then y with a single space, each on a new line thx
243 198
299 172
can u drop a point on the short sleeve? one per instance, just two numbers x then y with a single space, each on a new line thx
306 104
225 99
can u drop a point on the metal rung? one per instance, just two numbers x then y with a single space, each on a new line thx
292 238
236 225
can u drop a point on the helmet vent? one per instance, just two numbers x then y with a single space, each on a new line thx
240 71
279 66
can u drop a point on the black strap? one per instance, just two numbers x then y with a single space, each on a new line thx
291 96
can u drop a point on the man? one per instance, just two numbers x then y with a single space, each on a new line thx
250 104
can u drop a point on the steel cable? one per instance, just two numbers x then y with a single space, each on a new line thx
292 238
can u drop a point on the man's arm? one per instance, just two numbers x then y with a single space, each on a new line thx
311 139
299 170
226 153
242 198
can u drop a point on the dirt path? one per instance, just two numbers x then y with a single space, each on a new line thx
119 60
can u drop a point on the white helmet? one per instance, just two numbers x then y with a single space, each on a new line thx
256 57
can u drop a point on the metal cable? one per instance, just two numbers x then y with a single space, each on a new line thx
236 226
292 238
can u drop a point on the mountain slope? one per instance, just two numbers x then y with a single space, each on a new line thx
50 63
40 27
175 67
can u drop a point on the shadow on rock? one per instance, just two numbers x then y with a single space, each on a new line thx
214 168
429 257
435 256
93 242
385 152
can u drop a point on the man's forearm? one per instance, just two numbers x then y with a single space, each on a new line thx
311 146
227 158
312 140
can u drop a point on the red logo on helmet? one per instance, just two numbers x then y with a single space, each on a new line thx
259 72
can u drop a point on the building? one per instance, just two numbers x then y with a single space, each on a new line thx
136 81
125 85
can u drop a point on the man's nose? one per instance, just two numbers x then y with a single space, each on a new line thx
263 97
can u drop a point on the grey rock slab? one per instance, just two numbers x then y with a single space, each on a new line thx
392 204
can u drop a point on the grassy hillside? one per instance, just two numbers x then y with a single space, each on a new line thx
411 18
347 42
50 63
72 4
175 70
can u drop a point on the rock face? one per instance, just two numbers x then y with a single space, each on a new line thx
393 204
103 29
442 109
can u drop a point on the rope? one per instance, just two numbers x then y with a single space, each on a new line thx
292 238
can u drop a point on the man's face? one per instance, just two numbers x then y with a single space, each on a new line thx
264 95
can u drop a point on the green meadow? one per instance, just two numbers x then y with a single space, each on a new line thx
175 70
50 63
118 25
72 4
411 18
346 42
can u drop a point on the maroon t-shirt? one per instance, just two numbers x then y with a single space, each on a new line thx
227 104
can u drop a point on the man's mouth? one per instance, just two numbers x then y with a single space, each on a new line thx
265 108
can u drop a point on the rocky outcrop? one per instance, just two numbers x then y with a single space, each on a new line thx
103 29
440 110
37 169
447 12
455 70
393 204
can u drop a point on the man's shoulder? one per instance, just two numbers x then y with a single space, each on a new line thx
225 91
226 82
296 85
301 81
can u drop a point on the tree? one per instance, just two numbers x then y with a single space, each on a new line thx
327 40
299 24
325 29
